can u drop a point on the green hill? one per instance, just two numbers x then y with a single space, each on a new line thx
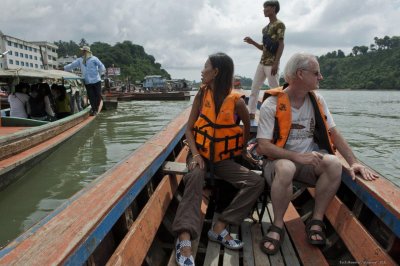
131 58
367 68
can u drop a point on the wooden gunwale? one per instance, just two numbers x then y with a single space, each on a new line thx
71 237
358 240
140 235
381 196
25 139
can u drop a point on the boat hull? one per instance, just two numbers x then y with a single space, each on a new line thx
24 148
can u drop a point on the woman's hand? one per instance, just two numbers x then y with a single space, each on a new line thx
196 160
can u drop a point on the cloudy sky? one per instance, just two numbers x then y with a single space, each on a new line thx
180 34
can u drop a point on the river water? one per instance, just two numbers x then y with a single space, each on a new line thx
368 119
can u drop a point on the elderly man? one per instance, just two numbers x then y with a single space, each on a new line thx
92 68
297 134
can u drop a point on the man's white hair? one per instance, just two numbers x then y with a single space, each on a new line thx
296 62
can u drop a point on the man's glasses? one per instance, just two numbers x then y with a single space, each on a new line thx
316 73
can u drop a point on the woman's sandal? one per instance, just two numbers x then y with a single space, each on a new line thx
312 232
180 259
220 238
277 243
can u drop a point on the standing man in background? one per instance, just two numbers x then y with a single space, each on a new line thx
272 47
92 69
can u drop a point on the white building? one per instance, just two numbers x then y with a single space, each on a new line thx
49 54
23 54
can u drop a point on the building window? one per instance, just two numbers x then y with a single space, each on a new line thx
49 57
16 53
30 64
16 45
21 47
30 49
30 56
26 63
26 55
17 62
22 64
36 66
10 53
35 57
9 43
21 55
10 61
35 50
26 47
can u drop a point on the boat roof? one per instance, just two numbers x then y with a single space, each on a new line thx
38 73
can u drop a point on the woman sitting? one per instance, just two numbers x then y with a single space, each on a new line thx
19 101
214 139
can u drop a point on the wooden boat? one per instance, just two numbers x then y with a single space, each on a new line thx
153 96
124 218
24 142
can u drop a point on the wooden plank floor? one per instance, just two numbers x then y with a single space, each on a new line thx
251 255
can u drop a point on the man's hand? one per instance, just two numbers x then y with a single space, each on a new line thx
248 40
274 68
365 172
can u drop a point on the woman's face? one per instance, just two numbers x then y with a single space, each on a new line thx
208 73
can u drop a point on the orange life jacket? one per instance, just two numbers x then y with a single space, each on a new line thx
218 137
283 120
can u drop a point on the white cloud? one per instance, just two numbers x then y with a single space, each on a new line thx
180 34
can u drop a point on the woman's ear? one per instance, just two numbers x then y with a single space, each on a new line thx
216 71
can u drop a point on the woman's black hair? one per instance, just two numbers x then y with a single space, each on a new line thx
21 86
224 77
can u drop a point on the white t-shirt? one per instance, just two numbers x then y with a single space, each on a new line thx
17 104
303 124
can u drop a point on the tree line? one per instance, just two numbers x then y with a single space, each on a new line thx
131 58
371 68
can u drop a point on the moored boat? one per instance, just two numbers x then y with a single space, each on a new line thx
124 218
153 96
24 142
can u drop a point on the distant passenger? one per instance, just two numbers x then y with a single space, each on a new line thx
78 100
214 140
19 101
39 104
92 69
62 101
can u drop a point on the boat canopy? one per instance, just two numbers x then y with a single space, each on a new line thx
38 73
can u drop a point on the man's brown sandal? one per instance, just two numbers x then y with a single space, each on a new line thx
320 233
277 243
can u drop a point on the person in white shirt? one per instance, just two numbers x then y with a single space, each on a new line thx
19 101
297 135
92 69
